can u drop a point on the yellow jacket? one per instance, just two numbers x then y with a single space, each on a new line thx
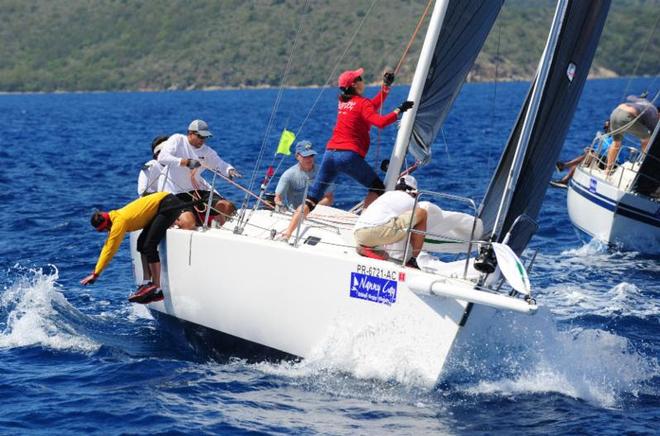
134 216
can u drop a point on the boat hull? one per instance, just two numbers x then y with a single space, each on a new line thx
614 216
307 302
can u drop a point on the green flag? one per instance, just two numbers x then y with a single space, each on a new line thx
286 140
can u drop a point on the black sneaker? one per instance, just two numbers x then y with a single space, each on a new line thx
155 296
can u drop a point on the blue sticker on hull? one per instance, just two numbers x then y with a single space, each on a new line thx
370 288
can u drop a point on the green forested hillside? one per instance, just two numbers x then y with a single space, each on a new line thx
177 44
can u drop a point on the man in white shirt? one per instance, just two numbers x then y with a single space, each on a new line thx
291 186
151 171
185 157
388 218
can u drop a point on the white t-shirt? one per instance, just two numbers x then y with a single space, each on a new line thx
389 205
148 179
177 178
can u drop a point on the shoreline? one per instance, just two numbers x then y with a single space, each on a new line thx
258 87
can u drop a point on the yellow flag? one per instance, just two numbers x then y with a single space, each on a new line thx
286 140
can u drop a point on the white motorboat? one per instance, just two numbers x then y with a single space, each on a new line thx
621 209
302 297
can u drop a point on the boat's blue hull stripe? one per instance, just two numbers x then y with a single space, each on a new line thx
607 203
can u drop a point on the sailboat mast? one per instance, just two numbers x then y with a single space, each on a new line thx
415 93
531 115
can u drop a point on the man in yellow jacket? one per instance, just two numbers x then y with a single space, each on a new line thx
153 213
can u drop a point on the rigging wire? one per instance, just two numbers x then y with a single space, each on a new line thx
334 69
489 161
309 112
639 59
330 78
398 68
278 100
412 38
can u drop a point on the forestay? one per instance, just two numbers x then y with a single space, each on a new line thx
464 31
580 31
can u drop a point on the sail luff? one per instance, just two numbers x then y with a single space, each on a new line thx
416 88
462 33
532 112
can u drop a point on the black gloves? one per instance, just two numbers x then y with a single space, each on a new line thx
388 78
405 106
192 164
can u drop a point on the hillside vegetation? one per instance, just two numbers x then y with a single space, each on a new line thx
176 44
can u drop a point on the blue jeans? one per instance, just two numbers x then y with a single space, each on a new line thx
347 162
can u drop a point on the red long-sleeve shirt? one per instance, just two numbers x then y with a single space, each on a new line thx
354 119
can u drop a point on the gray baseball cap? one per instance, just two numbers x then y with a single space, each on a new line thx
200 127
304 148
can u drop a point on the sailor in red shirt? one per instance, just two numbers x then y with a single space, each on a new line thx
349 143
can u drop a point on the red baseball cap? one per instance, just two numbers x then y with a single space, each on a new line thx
347 78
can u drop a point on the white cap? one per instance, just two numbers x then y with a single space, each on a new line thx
409 181
200 127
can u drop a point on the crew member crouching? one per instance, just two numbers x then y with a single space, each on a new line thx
388 219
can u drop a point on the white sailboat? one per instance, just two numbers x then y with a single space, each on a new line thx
297 297
621 209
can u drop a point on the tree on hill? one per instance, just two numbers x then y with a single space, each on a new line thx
176 44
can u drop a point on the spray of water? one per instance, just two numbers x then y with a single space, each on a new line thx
32 313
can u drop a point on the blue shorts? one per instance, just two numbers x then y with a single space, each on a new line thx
349 163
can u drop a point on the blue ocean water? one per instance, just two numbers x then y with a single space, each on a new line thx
84 360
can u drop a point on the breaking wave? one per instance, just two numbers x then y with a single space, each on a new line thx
33 312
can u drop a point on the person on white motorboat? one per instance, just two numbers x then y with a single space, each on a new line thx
604 141
636 116
152 170
388 218
185 157
291 186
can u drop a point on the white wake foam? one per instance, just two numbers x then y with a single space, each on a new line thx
362 355
624 299
592 280
515 355
31 309
505 355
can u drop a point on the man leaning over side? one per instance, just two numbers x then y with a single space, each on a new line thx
153 213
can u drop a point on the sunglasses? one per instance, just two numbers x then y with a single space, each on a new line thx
203 138
358 79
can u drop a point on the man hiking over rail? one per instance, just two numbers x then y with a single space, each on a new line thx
153 213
